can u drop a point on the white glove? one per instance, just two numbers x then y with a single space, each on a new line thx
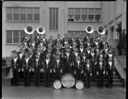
82 71
97 73
104 72
41 70
74 72
30 70
54 70
90 74
50 70
22 69
19 70
114 73
61 71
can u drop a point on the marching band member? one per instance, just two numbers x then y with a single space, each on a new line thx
88 52
110 72
27 62
47 64
15 62
100 72
88 73
81 50
78 68
38 70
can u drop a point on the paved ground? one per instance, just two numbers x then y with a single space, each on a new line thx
20 92
122 61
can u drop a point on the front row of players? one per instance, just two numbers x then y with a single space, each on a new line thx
52 68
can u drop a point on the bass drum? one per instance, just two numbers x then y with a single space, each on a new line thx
79 84
57 84
68 80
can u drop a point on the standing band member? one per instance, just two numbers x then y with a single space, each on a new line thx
88 74
27 62
15 66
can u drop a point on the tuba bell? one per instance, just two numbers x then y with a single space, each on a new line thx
89 29
101 30
40 30
29 30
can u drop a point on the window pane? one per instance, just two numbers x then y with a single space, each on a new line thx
70 13
9 13
22 35
77 14
53 21
16 37
36 17
16 13
9 16
29 13
97 17
22 13
36 11
9 36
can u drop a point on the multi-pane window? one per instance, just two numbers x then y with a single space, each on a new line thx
53 19
77 34
27 14
97 14
84 14
14 36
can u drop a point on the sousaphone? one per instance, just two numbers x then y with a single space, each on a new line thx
40 30
29 30
101 30
89 29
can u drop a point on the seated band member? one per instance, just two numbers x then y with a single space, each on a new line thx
88 73
47 69
100 73
27 62
15 63
110 72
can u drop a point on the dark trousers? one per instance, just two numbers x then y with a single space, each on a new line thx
47 78
37 78
26 77
100 80
14 80
110 80
88 80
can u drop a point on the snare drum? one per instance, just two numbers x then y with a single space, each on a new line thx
57 84
68 80
79 84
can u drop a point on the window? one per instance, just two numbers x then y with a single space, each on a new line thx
9 36
14 36
53 19
30 14
25 14
77 14
97 14
91 14
16 14
84 14
9 13
70 14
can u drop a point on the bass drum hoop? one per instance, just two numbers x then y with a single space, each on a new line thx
79 84
57 84
68 80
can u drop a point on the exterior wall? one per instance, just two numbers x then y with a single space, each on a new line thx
63 25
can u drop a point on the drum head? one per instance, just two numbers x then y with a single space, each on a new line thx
68 80
79 84
57 84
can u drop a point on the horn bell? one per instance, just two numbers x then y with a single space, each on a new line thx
89 29
101 30
29 30
40 30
